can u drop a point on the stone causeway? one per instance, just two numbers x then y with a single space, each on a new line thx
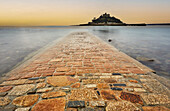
82 73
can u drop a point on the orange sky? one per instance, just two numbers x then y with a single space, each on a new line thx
71 12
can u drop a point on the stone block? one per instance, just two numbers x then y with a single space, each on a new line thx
121 106
134 81
90 85
75 104
57 104
23 109
139 90
26 101
45 90
110 80
14 82
53 94
116 88
34 78
134 98
5 88
129 89
61 80
97 103
92 81
103 86
119 84
108 95
83 94
154 99
134 85
116 74
4 101
21 89
76 85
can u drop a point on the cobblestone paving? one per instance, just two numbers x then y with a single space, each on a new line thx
83 73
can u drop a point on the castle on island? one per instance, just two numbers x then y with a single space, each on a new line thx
107 20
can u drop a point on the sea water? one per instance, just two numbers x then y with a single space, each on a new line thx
151 42
148 42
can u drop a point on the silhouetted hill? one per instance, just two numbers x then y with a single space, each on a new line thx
107 20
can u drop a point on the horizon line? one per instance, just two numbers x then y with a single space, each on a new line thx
168 23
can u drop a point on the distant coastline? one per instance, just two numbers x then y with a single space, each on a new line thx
142 24
159 24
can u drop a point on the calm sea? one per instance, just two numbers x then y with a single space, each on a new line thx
151 42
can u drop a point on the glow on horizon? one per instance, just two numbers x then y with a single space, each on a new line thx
73 12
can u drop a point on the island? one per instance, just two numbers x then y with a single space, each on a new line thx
107 20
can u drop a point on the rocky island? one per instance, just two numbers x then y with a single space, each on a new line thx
107 20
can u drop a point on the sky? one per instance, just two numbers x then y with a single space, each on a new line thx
73 12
